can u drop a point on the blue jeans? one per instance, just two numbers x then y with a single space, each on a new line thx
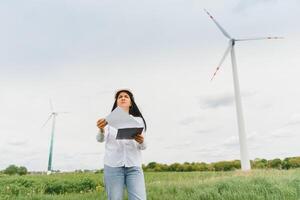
117 178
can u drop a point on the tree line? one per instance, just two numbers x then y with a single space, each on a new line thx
287 163
258 163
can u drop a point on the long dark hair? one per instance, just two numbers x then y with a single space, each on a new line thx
133 109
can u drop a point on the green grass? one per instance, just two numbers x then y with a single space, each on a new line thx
254 185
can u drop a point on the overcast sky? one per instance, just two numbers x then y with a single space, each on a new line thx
79 52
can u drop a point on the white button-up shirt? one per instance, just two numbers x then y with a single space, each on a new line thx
123 152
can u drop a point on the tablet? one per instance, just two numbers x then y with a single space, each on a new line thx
128 133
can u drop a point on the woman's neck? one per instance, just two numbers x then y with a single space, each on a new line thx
125 109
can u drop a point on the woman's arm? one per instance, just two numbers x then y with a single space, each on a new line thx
103 130
140 138
100 137
142 146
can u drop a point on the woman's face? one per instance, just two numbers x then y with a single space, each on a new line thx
124 101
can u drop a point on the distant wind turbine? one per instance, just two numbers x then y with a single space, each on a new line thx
52 115
245 162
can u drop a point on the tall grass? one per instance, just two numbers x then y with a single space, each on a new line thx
253 185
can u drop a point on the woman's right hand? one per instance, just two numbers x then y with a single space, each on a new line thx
101 123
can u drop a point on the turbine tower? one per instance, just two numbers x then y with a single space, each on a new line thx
245 161
52 115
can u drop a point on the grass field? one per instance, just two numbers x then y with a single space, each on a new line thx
254 185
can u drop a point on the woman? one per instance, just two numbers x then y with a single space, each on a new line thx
122 159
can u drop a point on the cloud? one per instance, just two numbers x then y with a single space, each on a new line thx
246 4
113 45
179 146
222 100
18 142
230 148
294 120
188 120
233 141
217 101
204 131
281 133
288 129
214 153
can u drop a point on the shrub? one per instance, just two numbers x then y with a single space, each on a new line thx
13 169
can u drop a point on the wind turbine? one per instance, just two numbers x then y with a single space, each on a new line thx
52 115
245 162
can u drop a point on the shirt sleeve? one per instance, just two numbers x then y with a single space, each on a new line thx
101 137
143 145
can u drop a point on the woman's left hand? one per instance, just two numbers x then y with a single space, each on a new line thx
139 138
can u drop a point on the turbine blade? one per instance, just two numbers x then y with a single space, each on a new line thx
62 112
47 121
218 25
222 60
51 105
259 38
